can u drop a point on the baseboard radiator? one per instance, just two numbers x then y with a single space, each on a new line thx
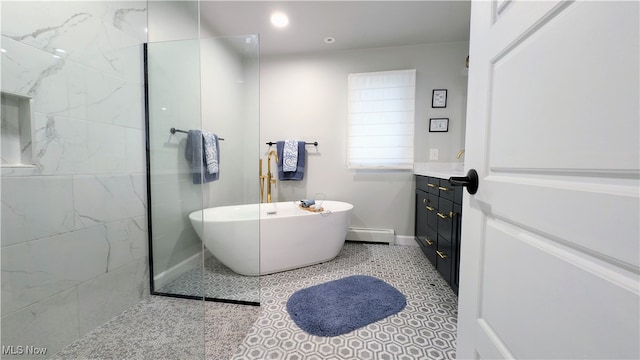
371 235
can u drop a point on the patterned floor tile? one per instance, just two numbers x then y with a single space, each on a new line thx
164 328
426 328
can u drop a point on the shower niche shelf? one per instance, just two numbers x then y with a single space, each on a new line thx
17 134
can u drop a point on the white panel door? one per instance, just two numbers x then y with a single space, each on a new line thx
551 240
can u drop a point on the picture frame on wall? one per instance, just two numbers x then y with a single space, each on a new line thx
438 124
439 98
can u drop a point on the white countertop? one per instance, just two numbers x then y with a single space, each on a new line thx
440 170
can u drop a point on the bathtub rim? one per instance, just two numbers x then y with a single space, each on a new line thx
207 214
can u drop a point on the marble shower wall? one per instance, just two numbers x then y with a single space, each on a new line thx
74 225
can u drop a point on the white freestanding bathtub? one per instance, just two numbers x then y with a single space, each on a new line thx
289 237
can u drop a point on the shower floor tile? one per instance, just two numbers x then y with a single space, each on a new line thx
425 329
169 329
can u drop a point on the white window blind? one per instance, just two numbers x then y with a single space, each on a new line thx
380 119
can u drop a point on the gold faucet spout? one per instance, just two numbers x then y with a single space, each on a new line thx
460 154
274 153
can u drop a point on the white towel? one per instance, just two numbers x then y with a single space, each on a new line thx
290 156
210 144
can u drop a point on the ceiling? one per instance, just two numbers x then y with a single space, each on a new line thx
353 24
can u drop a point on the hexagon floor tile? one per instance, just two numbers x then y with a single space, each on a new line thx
425 329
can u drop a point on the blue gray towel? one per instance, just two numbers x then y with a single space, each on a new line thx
299 173
194 152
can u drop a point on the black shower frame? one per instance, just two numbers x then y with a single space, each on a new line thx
149 227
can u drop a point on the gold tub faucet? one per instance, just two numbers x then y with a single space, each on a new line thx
460 154
261 179
270 177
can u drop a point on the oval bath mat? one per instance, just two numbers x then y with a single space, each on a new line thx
341 306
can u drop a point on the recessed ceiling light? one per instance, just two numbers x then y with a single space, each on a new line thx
329 40
279 19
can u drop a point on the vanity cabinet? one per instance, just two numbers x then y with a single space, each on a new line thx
438 210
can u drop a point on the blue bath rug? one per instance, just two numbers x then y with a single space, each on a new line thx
341 306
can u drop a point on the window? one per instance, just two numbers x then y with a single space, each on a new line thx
380 120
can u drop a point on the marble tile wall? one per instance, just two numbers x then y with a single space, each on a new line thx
74 225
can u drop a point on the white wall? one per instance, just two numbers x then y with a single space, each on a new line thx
229 108
305 97
74 226
172 20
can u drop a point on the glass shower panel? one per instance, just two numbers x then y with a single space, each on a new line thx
209 85
173 95
230 108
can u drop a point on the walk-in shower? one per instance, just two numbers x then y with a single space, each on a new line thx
90 228
74 228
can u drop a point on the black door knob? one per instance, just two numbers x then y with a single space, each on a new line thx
470 181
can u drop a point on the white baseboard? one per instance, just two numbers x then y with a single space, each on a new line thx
179 269
371 235
387 236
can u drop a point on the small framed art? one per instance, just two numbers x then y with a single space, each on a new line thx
438 124
439 98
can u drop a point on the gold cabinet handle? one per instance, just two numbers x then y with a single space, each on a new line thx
441 254
451 214
443 188
442 216
424 201
429 242
430 208
431 185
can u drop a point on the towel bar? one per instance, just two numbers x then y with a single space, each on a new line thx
174 130
315 143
